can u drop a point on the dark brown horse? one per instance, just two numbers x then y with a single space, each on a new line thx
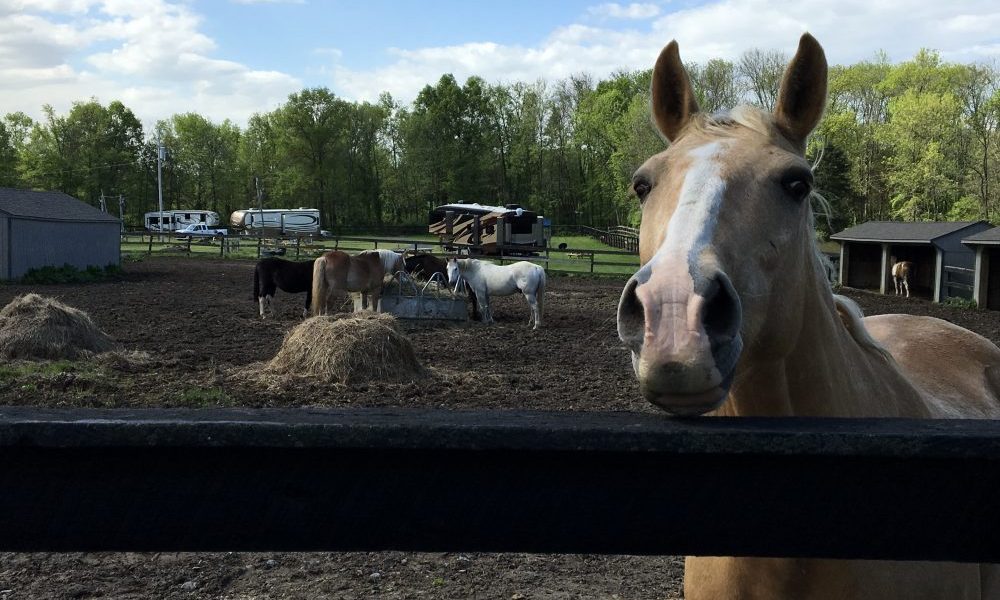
425 266
272 274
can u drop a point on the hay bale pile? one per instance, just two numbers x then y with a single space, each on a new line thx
354 348
36 327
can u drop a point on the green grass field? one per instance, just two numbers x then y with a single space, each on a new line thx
576 259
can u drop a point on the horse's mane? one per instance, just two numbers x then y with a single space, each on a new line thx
723 123
388 257
851 315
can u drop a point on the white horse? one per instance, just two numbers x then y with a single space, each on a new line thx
486 278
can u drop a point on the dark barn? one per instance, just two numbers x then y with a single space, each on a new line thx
942 266
986 245
52 229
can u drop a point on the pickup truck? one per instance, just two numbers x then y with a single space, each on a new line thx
200 229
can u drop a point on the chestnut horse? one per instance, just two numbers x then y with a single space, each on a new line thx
731 314
901 276
336 274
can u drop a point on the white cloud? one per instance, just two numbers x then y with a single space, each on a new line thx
156 56
850 30
620 11
152 55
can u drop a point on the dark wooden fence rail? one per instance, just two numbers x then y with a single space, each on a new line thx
385 479
565 260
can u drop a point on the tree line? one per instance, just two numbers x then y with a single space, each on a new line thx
916 141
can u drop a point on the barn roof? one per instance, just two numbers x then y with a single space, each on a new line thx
990 236
900 231
49 206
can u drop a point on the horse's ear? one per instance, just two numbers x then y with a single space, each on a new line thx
803 92
672 94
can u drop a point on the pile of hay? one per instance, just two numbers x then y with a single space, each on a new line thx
35 327
355 348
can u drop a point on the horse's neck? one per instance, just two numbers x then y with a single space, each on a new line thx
827 373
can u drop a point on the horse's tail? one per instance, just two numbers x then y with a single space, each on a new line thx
319 285
256 283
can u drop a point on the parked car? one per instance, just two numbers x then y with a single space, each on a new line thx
200 230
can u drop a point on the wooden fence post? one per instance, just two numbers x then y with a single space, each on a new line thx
150 251
591 263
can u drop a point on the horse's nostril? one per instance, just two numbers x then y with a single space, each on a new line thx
631 320
721 317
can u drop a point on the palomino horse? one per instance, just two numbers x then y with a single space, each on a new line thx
731 314
272 274
336 274
901 276
487 279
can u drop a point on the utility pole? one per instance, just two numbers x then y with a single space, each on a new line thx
260 207
160 157
104 205
121 210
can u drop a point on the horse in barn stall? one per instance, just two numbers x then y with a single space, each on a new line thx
901 276
731 314
425 266
337 274
271 274
486 278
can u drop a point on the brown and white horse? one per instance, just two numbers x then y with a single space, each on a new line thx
731 314
337 274
901 276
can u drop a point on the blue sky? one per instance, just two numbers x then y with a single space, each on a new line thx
228 59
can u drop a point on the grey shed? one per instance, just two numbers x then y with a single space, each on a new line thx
39 229
942 267
987 285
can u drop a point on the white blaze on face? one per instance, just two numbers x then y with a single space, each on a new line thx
690 231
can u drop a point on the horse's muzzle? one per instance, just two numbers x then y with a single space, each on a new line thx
684 337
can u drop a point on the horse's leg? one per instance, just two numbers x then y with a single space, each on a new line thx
260 301
485 308
906 284
533 309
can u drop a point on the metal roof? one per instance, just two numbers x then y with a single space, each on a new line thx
49 206
476 207
990 236
900 231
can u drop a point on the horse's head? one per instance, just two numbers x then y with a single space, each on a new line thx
454 273
725 218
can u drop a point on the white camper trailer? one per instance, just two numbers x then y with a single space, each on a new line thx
172 220
276 221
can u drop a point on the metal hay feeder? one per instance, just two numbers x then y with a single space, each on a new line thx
433 301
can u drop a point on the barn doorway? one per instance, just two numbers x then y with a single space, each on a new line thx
923 270
993 279
864 266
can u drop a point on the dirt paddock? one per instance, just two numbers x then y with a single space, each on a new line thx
197 322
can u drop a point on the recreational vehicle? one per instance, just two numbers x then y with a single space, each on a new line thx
276 221
172 220
484 229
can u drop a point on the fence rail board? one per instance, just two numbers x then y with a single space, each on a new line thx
389 479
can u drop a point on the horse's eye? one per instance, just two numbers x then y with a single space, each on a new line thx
798 184
641 188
